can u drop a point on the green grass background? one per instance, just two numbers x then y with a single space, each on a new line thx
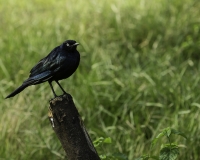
139 73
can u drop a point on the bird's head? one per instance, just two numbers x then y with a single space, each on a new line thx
69 45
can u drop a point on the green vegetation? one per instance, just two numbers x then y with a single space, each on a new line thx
168 151
139 74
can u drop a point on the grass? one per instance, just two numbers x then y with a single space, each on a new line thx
139 73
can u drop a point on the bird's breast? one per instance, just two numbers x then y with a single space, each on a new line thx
68 65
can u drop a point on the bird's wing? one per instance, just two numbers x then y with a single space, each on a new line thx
47 65
39 78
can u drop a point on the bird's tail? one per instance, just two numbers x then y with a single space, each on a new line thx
18 90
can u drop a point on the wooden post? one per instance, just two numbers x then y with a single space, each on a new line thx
70 130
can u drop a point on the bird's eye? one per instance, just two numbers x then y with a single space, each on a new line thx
67 44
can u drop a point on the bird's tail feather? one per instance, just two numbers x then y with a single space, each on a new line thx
18 90
32 81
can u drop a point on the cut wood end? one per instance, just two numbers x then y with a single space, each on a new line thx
66 96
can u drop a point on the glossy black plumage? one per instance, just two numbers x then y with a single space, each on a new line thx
59 64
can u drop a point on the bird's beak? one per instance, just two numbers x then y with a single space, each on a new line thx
76 44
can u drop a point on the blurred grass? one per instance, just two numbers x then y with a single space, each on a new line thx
139 73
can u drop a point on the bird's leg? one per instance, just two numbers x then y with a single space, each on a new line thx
52 89
61 87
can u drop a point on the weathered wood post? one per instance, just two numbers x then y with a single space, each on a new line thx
70 130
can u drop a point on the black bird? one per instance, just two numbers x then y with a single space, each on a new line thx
59 64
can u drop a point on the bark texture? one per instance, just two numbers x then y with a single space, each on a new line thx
70 130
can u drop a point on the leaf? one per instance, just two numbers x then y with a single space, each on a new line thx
169 152
98 141
178 133
168 131
102 156
156 139
107 140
